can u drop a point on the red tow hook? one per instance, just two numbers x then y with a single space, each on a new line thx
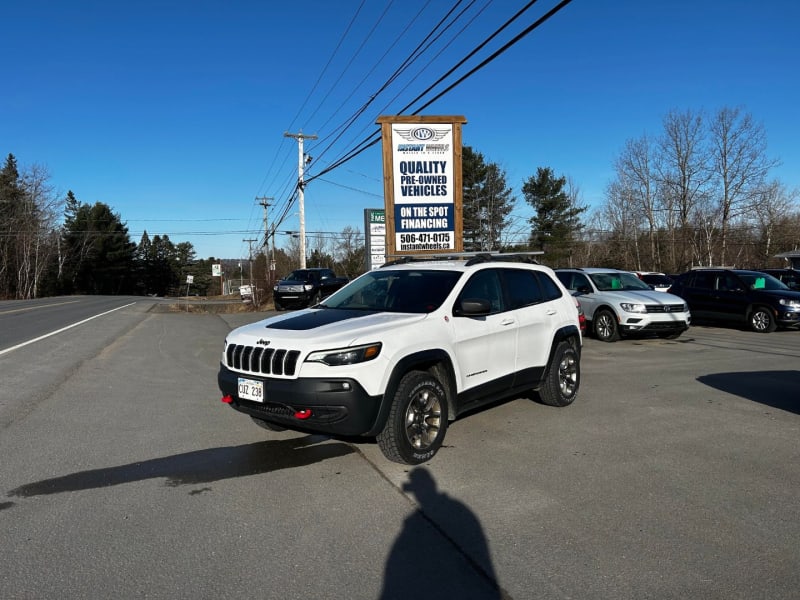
227 399
302 414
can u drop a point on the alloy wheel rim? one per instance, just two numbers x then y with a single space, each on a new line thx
423 419
568 376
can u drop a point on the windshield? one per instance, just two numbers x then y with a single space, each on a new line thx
762 281
618 281
417 291
298 275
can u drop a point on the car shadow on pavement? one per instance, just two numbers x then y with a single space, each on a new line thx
441 550
778 389
199 466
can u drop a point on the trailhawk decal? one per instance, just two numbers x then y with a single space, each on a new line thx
318 318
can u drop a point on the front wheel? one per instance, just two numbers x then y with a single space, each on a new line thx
762 321
417 421
563 377
605 326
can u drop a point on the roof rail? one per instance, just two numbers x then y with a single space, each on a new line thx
472 258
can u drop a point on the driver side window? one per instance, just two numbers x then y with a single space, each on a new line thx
485 285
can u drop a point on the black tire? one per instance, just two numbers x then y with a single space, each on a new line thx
267 424
563 377
761 320
278 306
605 326
417 421
316 299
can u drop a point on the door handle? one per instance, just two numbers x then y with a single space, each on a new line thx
506 322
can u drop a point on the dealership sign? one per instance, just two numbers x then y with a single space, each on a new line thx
422 171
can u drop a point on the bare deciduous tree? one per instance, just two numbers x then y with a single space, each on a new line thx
740 166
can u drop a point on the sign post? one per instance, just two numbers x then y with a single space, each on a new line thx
189 281
422 183
375 228
216 271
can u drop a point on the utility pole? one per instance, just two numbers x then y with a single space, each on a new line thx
302 160
250 251
263 201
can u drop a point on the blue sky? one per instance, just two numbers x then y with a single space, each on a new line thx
174 113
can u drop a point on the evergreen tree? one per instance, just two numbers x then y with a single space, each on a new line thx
101 255
11 205
487 202
557 222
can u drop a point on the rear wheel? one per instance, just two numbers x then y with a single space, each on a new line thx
605 326
762 321
563 377
417 421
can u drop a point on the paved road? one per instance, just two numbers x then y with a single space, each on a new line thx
674 475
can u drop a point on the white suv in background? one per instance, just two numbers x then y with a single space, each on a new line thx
402 350
618 303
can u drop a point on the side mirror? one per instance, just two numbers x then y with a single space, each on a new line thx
473 307
584 289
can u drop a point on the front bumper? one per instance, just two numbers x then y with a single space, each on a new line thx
338 406
788 318
637 325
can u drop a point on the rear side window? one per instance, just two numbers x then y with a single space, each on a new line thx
522 287
702 280
550 291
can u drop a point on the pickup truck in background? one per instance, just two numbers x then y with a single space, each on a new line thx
306 287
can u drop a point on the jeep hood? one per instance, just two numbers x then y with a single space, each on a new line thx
324 325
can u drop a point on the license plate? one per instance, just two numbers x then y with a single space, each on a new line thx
250 389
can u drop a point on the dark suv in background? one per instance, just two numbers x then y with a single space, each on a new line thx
750 297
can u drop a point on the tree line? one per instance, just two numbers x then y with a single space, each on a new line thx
697 193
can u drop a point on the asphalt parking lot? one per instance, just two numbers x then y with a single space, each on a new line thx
673 475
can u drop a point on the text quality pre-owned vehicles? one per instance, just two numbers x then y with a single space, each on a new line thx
404 349
739 296
306 287
618 303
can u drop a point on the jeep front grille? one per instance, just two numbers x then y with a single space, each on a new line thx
665 308
267 361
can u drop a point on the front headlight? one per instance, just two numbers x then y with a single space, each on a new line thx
634 308
790 303
345 356
308 287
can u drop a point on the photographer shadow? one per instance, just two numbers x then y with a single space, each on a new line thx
441 550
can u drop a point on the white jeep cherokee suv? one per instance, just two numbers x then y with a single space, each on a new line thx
404 349
618 303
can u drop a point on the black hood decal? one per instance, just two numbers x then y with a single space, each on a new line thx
318 318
